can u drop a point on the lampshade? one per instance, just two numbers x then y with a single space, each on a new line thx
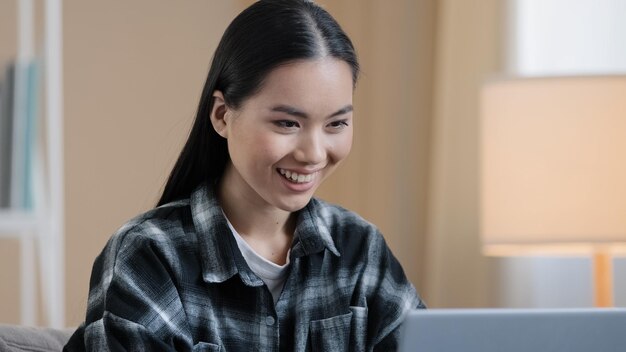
553 165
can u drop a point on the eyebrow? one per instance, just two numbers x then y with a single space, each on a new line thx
290 110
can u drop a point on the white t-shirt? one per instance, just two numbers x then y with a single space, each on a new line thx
272 274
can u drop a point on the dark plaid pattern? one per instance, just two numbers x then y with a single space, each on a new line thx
174 279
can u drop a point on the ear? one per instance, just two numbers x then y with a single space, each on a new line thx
220 114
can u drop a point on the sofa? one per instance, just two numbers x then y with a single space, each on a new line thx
15 338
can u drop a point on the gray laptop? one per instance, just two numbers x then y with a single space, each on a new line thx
514 330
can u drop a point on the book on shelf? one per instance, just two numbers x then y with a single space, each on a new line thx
19 122
6 134
31 143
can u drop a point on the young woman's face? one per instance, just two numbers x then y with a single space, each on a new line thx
287 138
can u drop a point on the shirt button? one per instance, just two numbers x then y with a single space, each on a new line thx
269 320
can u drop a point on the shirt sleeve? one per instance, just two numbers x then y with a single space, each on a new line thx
133 303
393 296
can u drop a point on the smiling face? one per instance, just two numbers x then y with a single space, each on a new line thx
288 137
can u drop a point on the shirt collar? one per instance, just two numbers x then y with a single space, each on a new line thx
312 233
221 258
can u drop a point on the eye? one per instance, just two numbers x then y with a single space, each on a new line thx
287 124
338 124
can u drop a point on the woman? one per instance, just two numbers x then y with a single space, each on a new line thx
238 255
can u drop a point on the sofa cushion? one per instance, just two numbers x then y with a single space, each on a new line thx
20 338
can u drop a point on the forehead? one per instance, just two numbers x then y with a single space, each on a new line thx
313 85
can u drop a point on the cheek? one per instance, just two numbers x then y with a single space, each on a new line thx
341 146
265 148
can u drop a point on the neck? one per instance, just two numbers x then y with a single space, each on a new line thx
252 217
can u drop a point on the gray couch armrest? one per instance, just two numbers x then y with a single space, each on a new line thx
20 338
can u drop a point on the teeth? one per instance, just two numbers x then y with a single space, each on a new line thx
295 177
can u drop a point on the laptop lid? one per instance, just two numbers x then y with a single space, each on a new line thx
514 330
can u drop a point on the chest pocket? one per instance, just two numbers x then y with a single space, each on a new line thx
206 347
346 332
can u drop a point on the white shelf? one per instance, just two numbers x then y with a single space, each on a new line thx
41 233
17 223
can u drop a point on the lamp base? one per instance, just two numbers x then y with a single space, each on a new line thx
603 278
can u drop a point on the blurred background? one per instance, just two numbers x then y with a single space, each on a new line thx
132 73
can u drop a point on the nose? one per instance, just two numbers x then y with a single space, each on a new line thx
311 149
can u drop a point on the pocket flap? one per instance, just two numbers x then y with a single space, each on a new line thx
331 334
206 347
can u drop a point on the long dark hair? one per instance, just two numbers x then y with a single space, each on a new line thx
265 35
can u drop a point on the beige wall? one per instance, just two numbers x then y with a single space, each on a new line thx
9 277
133 75
468 49
8 34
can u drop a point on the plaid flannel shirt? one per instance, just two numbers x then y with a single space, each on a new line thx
174 279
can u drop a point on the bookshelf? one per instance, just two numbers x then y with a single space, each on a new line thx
40 231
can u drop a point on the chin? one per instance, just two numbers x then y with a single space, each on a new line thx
294 205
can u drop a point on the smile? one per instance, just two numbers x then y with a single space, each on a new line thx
295 177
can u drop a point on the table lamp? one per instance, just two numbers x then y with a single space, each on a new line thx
553 170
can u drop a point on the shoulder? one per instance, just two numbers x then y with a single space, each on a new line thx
347 228
144 247
159 229
336 216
